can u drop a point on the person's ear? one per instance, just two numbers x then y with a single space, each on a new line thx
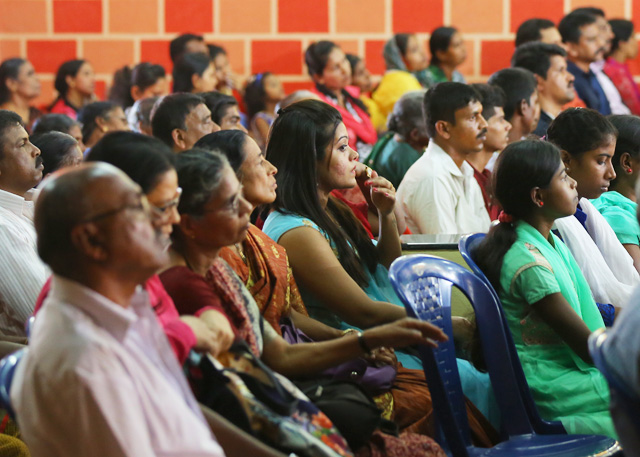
195 81
179 139
625 163
88 240
12 84
537 197
572 49
414 135
443 128
540 83
71 82
566 158
318 79
136 93
102 124
522 108
187 226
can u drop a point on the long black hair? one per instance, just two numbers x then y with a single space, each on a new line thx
520 167
578 130
89 114
440 41
9 69
316 57
143 75
255 94
56 150
300 137
68 68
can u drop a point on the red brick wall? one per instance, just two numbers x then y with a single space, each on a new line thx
264 34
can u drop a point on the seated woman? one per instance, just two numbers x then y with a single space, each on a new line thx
548 305
59 123
263 266
361 82
98 118
325 242
75 83
619 205
262 94
57 150
194 73
405 142
447 53
331 73
214 214
19 87
149 163
142 81
406 63
624 48
588 141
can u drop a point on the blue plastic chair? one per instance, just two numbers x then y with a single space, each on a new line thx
29 326
625 404
7 369
424 284
467 245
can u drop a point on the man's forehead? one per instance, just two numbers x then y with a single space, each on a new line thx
474 106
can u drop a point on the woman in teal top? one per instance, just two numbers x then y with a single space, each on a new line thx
394 153
341 274
619 206
546 299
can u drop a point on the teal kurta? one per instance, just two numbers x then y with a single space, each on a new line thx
564 387
621 214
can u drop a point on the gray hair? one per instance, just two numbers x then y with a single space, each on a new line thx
407 114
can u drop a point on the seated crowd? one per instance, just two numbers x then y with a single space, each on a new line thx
177 248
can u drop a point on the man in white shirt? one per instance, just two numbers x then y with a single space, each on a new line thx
439 194
99 377
22 273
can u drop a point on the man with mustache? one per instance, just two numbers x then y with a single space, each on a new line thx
439 194
22 273
548 64
585 44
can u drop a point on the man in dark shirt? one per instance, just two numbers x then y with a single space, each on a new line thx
585 44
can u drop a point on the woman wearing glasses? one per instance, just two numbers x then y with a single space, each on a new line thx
149 163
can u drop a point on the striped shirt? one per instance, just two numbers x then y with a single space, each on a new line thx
22 273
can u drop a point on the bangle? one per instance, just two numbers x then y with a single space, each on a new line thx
363 344
349 331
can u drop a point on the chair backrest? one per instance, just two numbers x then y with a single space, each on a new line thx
467 246
414 278
7 369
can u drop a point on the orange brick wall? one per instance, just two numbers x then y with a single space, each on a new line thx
264 35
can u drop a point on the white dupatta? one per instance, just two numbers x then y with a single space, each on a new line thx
605 263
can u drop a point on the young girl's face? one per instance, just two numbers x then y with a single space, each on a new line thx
592 170
361 77
415 58
560 199
85 81
273 88
338 170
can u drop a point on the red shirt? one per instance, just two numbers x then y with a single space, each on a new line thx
484 180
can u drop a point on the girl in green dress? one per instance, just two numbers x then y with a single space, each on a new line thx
546 299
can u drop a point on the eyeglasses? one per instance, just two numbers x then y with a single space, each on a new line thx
164 212
142 207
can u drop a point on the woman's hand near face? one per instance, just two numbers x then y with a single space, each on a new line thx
383 195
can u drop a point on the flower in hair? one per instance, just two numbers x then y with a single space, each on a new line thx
505 218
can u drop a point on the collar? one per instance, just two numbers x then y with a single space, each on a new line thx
106 314
597 66
581 216
436 152
12 202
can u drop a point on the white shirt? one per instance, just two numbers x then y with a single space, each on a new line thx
101 380
615 100
438 197
22 273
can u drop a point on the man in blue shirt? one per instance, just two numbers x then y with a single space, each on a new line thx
585 45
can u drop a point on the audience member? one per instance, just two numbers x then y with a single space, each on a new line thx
448 52
607 36
261 96
588 141
186 43
522 105
194 73
297 96
361 81
406 64
227 80
142 81
75 83
619 206
139 115
546 299
57 150
548 64
331 73
59 123
97 342
624 48
493 101
19 86
585 45
179 120
405 142
439 193
535 29
98 118
22 272
224 111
